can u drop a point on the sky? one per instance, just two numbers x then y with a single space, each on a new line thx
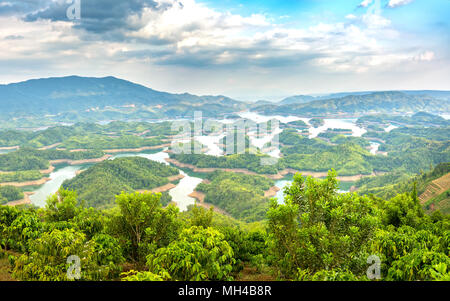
249 50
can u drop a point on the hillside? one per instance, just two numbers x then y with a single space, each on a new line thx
437 195
75 98
380 102
98 185
432 186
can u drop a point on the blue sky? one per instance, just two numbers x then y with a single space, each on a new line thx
248 50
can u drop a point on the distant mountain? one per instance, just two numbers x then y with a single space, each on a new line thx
297 99
376 102
108 96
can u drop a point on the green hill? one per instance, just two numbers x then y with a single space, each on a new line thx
98 185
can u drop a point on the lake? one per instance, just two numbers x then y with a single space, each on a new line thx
180 194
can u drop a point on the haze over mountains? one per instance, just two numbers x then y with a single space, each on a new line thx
75 98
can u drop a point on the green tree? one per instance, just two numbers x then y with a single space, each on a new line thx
61 206
201 217
320 229
142 224
47 259
198 254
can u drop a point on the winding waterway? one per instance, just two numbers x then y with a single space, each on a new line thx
180 194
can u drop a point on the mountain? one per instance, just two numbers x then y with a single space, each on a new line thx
103 97
376 102
296 99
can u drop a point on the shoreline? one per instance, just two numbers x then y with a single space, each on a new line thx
25 201
280 175
78 162
28 183
165 187
135 150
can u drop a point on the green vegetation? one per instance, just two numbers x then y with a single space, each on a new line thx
115 134
339 232
316 122
388 185
20 176
298 124
102 142
421 118
336 138
28 159
318 234
9 194
240 195
251 162
388 102
98 185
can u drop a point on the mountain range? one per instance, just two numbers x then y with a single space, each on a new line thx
75 98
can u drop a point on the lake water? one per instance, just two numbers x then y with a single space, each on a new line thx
179 194
57 178
348 124
344 187
187 185
374 146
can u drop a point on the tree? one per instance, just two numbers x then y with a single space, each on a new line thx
61 206
320 229
198 254
201 217
48 258
142 225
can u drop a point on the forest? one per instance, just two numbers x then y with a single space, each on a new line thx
98 185
318 234
242 196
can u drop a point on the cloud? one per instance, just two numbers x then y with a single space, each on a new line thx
187 40
98 16
425 56
365 3
396 3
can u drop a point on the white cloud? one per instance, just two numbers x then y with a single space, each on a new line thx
196 41
425 56
365 3
375 21
395 3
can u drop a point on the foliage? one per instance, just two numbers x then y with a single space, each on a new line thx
240 195
47 259
198 254
142 225
10 193
98 185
